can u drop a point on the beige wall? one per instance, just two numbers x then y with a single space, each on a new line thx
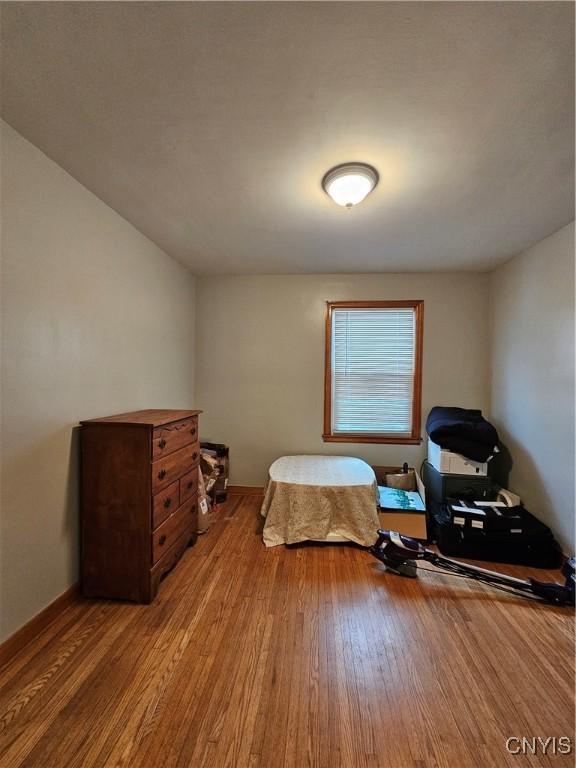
533 376
260 359
96 320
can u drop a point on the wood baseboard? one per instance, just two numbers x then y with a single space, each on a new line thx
245 490
37 624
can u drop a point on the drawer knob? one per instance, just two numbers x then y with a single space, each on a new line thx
193 431
190 484
167 502
162 540
194 456
162 474
162 443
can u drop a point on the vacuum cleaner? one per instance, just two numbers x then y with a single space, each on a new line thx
400 554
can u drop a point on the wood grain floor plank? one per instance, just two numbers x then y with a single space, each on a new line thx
31 718
304 657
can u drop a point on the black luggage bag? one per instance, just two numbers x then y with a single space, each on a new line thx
528 542
489 517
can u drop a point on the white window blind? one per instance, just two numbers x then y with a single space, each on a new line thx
373 361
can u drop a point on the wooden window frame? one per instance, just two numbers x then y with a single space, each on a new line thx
415 437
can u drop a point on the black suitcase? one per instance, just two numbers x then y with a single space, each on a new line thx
487 517
532 544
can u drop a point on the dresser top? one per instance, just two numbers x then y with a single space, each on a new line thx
153 417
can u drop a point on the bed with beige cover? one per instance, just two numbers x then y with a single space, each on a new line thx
320 498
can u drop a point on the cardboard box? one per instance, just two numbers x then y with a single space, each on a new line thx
204 506
450 463
408 522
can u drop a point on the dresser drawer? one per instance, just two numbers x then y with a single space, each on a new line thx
171 437
164 503
184 519
173 466
188 485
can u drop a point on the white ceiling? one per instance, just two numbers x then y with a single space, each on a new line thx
210 125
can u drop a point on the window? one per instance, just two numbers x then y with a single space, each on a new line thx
373 375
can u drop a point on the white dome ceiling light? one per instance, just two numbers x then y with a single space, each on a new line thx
348 184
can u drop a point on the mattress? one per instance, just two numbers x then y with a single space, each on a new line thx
320 498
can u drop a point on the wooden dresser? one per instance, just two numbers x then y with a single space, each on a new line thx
139 474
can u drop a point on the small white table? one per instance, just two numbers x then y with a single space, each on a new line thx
320 498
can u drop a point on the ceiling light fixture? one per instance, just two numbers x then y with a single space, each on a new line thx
348 184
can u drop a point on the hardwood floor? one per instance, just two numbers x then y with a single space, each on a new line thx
310 656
